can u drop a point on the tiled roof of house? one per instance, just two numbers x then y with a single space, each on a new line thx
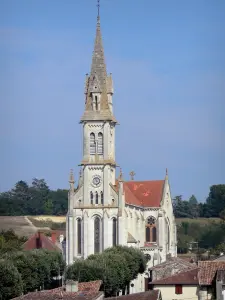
40 241
86 291
189 277
149 295
207 270
172 266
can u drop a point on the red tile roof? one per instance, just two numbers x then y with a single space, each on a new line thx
86 291
189 277
149 295
144 193
207 270
40 241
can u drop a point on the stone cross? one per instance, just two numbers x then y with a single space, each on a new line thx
132 174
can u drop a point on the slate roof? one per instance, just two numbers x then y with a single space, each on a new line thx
149 295
86 291
208 269
189 277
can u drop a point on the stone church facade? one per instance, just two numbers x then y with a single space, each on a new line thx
103 210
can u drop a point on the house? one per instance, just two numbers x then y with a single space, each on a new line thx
40 241
172 266
207 276
149 295
72 291
183 285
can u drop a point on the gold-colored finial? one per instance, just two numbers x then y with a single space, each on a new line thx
132 174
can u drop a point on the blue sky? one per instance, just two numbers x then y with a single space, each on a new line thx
168 65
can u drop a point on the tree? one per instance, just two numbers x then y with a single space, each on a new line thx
193 206
11 284
109 267
216 200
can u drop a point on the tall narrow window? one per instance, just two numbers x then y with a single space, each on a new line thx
151 230
102 200
92 143
96 102
97 229
100 143
91 197
168 236
96 197
147 233
114 231
154 234
79 236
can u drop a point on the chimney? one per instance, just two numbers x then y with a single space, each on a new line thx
72 286
38 240
53 237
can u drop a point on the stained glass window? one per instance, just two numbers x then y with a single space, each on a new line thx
97 235
79 236
114 235
96 197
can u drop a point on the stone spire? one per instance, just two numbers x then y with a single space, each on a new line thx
98 66
98 83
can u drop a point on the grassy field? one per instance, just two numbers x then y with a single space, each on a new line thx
27 225
21 225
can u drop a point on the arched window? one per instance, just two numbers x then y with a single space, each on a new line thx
151 230
114 232
92 144
91 197
79 236
97 234
154 234
96 197
147 233
102 199
100 143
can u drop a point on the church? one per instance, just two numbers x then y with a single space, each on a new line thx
105 210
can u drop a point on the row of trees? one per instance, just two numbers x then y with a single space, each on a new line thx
214 207
26 271
38 199
116 267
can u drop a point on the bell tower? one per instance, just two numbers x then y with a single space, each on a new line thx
98 122
91 224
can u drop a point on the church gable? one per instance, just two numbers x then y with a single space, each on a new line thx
144 193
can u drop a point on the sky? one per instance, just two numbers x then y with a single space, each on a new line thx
167 59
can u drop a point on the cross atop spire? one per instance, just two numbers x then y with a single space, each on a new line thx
98 5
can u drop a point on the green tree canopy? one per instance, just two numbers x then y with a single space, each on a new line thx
11 284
